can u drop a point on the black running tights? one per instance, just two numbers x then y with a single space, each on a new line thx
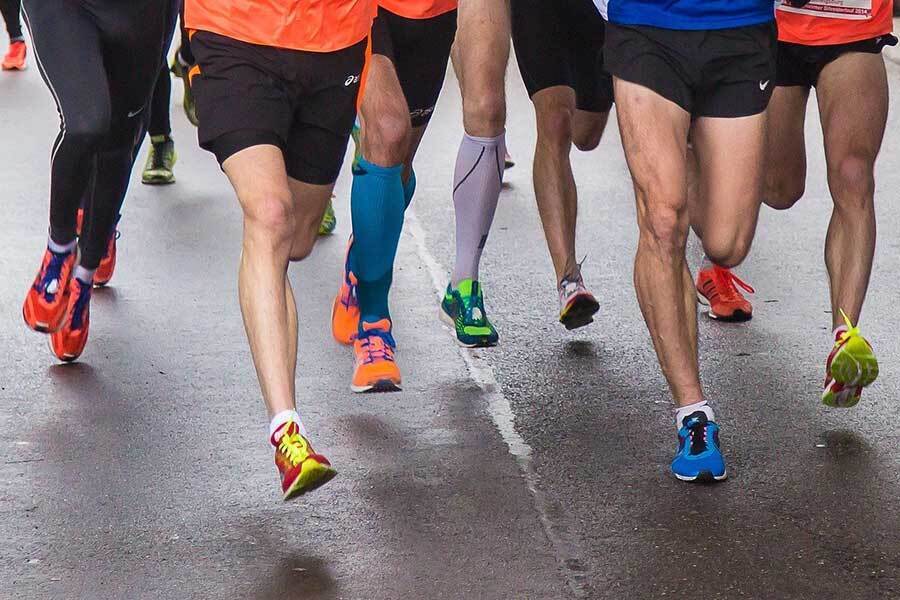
10 10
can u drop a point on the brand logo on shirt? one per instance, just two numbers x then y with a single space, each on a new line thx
351 80
763 85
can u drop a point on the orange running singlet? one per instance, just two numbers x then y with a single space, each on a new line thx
826 22
418 9
312 25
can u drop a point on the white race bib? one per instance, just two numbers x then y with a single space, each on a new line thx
857 10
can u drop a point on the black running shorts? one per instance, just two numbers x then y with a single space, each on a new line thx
420 51
800 65
302 102
560 43
715 73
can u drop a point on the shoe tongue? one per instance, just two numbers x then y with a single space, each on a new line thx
288 427
467 287
695 418
382 325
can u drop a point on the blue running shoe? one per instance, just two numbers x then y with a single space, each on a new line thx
699 457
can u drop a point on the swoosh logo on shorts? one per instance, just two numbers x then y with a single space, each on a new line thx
763 85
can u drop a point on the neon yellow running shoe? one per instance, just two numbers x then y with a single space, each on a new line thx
851 366
329 220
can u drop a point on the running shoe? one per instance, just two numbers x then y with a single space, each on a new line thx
463 310
345 308
717 288
104 273
15 57
160 161
183 71
45 304
851 366
300 468
577 305
67 343
508 162
329 220
357 146
698 457
375 370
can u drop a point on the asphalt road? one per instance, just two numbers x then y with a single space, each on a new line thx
538 469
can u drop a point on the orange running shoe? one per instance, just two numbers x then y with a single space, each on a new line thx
375 369
301 469
717 289
345 309
104 272
67 343
15 57
45 304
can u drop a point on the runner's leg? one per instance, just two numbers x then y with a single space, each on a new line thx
853 102
785 156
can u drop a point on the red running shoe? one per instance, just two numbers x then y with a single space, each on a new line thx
301 469
104 272
68 342
45 304
717 288
15 57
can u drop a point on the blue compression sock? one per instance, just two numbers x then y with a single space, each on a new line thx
376 210
409 189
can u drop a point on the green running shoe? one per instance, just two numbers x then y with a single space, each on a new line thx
463 310
160 161
183 71
329 220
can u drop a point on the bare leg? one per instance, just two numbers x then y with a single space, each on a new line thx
785 156
853 104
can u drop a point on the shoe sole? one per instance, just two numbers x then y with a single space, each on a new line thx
448 322
158 181
703 477
737 316
66 358
380 386
845 398
855 364
581 313
316 477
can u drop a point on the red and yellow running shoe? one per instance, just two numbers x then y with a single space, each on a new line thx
300 468
45 303
851 366
717 289
68 342
345 309
375 369
107 266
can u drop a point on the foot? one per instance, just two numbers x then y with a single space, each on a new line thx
104 273
47 298
329 220
160 161
851 366
300 468
183 71
15 57
68 342
375 370
717 288
463 310
698 457
345 308
577 305
508 162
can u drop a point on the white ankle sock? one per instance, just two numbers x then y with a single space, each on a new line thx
840 329
61 248
684 411
83 275
282 418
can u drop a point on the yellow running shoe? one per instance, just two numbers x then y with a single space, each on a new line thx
851 366
301 469
329 220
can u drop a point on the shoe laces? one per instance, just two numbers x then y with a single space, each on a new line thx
727 284
293 447
53 272
81 304
473 306
696 427
376 348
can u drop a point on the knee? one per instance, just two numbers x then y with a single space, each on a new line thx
727 248
88 129
484 113
852 182
386 136
664 226
783 192
302 246
588 138
269 218
555 126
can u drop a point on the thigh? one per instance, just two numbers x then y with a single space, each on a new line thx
785 150
541 44
421 53
326 99
852 92
654 137
482 46
730 154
